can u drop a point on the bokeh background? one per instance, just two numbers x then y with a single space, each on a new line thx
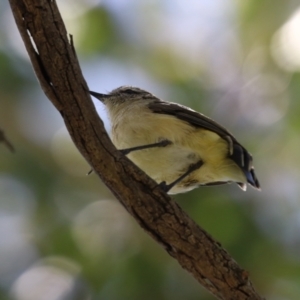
63 236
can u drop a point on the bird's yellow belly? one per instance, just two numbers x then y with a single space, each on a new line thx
189 145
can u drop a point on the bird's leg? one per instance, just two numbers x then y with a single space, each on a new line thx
192 168
162 143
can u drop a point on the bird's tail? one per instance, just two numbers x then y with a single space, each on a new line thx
244 160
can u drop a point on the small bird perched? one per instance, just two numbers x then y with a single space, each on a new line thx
176 146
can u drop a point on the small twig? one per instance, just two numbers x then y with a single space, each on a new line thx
6 142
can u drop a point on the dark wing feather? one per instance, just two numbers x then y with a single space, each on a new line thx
236 151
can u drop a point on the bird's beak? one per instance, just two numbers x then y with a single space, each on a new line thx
101 97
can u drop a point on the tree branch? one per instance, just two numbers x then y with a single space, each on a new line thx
56 66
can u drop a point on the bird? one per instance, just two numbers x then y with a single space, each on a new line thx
178 147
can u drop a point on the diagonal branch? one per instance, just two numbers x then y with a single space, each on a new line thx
56 66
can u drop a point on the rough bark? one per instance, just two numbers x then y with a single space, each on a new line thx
56 66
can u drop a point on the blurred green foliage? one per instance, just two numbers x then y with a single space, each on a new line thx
64 236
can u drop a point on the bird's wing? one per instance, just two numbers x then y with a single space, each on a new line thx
188 115
235 150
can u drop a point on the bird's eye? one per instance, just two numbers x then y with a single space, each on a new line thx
131 92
